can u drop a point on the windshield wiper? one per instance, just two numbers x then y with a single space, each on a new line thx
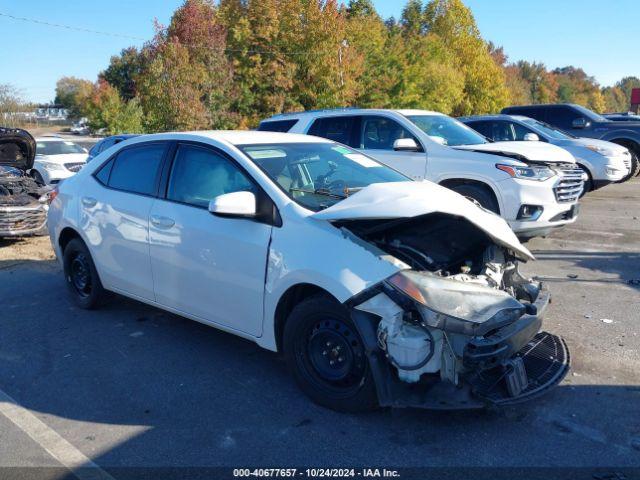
319 191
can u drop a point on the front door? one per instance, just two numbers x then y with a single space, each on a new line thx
376 139
205 265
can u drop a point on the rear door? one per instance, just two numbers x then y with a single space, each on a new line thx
204 265
114 215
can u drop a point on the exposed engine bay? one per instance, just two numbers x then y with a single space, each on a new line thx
23 201
461 317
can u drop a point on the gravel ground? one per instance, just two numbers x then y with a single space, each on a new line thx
129 385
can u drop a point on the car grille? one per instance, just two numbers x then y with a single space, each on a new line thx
16 220
74 167
571 184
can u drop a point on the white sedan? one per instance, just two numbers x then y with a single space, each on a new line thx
57 159
377 289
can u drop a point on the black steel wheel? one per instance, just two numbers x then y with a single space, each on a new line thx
327 357
81 275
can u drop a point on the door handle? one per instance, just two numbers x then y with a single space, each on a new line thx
89 202
162 222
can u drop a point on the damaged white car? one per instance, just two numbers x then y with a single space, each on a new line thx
23 201
379 290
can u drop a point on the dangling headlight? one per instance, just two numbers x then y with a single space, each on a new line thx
455 306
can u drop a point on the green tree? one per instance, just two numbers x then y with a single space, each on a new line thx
107 110
615 99
412 19
122 72
626 85
73 93
484 81
543 84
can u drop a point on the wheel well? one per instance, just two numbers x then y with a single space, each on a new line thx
630 144
293 296
455 182
66 236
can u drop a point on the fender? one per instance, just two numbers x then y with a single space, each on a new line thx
477 178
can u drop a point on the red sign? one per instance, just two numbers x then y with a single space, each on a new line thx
635 96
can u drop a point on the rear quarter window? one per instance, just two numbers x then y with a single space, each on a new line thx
277 125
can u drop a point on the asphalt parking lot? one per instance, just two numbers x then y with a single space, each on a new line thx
129 385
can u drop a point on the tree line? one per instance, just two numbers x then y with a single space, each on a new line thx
232 63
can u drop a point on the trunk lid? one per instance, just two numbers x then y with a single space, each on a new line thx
395 200
17 148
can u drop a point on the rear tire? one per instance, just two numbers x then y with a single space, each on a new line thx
326 356
81 275
480 195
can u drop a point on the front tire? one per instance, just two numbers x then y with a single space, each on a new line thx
478 195
326 356
81 275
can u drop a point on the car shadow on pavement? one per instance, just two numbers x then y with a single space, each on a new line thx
624 265
131 385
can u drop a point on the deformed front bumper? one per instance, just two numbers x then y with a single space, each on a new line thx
22 220
509 365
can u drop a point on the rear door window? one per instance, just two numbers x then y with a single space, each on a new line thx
340 129
136 169
483 128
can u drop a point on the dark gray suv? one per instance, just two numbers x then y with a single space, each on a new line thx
583 122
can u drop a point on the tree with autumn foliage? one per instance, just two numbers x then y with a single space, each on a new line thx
108 111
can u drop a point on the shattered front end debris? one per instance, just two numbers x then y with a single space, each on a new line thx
460 327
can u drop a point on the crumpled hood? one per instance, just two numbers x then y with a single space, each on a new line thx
534 151
17 148
412 199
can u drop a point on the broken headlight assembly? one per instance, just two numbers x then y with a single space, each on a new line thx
454 306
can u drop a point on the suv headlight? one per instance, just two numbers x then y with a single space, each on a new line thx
530 173
456 306
601 150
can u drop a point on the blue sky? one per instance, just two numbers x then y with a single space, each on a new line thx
597 35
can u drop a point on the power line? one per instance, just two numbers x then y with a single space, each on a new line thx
69 27
131 37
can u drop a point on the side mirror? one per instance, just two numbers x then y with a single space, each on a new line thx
236 204
531 137
580 122
405 145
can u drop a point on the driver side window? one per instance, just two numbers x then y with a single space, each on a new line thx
198 175
379 133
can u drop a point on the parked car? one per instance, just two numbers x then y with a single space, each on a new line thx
604 162
23 202
534 186
57 159
582 122
81 127
622 117
377 289
107 142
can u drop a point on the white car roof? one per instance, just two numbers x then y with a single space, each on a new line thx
236 137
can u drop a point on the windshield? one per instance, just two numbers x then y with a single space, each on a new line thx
547 129
447 130
319 175
57 148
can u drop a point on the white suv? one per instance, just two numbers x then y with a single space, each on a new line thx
534 186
